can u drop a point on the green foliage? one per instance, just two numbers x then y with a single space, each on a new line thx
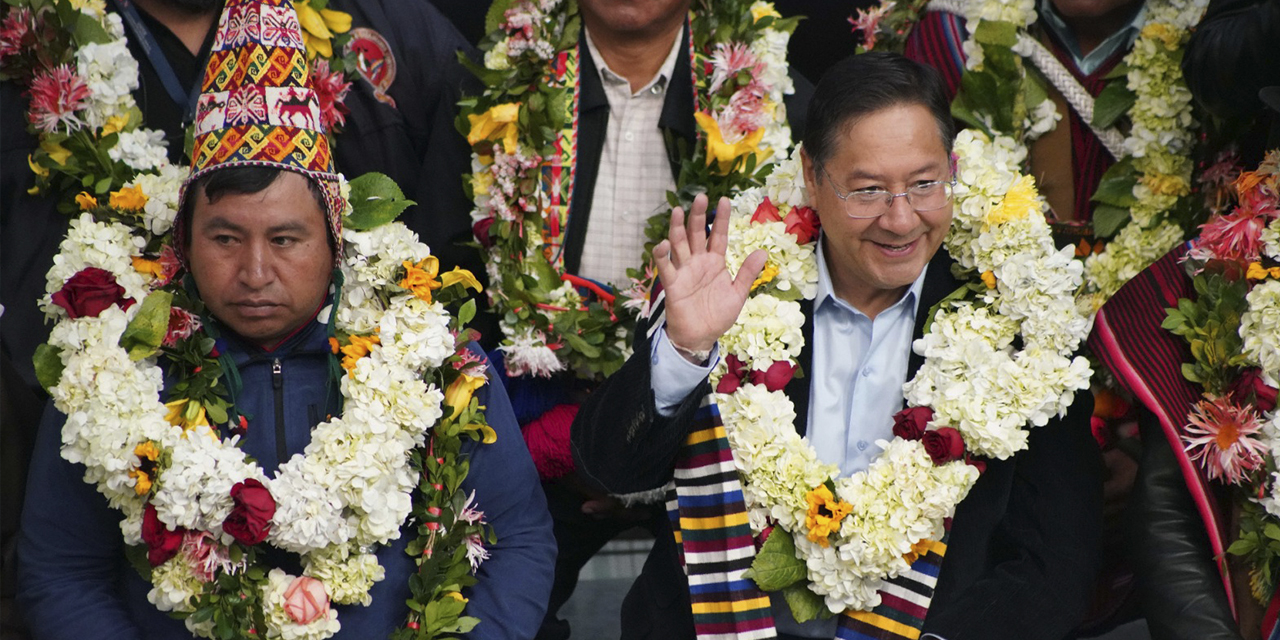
48 364
805 604
1211 326
776 565
142 338
1259 545
375 200
1112 104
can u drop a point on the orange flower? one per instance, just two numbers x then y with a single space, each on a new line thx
129 199
147 267
825 514
86 201
421 278
359 347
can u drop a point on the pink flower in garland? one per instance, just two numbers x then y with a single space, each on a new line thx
1222 439
56 95
730 59
868 22
331 89
1235 237
14 30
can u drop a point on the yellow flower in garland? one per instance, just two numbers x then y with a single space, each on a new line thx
989 279
722 153
129 199
918 549
825 514
761 10
319 27
147 267
1258 272
358 347
500 122
458 395
147 453
1020 201
488 435
86 201
40 171
460 276
57 152
766 276
421 278
181 414
1166 185
115 124
1171 38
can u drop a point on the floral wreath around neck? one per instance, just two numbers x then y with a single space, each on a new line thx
523 135
198 514
1143 200
976 395
73 58
1233 329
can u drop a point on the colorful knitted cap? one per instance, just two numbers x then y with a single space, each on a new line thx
257 106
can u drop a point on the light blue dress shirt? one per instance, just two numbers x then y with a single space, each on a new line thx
859 367
1087 64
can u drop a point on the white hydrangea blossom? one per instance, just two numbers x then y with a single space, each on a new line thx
349 574
1260 326
162 196
111 74
140 149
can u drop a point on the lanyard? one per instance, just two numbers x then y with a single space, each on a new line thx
185 98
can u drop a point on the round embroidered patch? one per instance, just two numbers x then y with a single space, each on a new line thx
374 61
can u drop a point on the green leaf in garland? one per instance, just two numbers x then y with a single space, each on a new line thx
1112 104
776 567
997 32
142 338
805 605
467 312
48 363
1108 219
375 201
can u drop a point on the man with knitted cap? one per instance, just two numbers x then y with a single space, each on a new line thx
259 233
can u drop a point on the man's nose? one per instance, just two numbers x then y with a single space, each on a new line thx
901 218
257 268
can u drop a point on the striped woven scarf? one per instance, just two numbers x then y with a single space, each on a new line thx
711 529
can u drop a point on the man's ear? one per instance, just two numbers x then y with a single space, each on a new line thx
810 172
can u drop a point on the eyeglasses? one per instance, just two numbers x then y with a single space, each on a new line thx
875 202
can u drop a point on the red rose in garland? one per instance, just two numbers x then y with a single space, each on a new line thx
943 445
162 543
910 423
250 520
89 292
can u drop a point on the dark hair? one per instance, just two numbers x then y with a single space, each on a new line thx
239 181
863 84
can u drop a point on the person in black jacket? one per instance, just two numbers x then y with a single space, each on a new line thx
1023 546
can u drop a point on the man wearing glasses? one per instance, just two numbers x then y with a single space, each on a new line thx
877 168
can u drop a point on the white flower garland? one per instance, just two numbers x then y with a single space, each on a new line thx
351 488
972 378
1159 142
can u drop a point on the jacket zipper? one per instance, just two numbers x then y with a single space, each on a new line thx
277 383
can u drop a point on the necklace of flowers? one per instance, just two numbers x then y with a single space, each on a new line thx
1233 432
523 135
81 77
1139 196
975 395
195 505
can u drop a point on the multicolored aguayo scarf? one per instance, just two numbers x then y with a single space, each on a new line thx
868 547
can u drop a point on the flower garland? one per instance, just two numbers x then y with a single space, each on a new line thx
523 136
81 78
975 395
1141 198
1233 432
191 497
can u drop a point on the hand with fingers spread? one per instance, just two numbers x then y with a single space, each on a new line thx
702 298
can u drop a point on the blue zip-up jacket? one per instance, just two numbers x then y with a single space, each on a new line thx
75 583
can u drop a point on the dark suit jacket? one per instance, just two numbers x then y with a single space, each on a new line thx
1024 544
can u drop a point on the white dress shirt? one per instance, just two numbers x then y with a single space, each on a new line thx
634 175
859 367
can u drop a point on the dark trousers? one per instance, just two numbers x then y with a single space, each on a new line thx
579 536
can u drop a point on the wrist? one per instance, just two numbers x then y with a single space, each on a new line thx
694 356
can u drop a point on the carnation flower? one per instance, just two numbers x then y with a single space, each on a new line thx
56 95
1222 438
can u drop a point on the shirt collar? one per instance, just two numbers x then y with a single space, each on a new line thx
609 77
827 293
1087 64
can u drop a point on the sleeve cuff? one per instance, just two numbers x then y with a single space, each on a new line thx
673 378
